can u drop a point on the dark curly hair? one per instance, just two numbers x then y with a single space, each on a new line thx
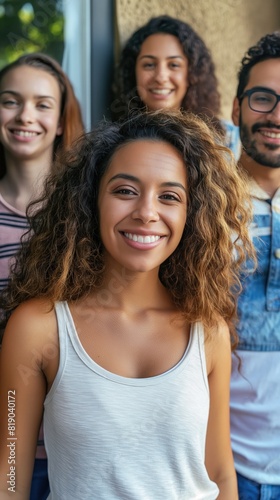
202 96
63 259
268 47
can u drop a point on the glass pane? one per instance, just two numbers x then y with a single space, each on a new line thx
35 26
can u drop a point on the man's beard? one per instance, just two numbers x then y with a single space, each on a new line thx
250 147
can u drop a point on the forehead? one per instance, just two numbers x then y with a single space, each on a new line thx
162 44
265 74
28 78
146 159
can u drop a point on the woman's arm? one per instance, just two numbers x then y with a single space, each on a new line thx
23 388
219 459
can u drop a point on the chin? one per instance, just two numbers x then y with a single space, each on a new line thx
140 268
158 106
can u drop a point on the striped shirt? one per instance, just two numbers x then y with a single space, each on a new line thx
13 224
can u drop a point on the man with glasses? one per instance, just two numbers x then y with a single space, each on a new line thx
255 385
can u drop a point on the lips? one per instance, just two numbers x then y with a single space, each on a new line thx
161 91
24 133
270 130
271 135
152 238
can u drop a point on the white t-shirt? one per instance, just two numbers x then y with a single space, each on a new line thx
255 415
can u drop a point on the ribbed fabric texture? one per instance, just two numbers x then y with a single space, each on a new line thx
13 224
109 437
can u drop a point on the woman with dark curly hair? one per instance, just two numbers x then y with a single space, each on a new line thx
122 303
165 64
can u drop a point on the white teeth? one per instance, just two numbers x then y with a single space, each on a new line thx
23 133
161 91
273 135
142 239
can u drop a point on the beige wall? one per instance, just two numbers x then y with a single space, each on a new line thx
228 27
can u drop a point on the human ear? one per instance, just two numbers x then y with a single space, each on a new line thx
235 111
59 130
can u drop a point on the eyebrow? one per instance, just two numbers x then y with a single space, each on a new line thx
155 57
18 94
135 179
258 88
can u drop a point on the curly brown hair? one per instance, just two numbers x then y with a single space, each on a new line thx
202 96
71 117
63 259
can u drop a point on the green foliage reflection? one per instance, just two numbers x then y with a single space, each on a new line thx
29 26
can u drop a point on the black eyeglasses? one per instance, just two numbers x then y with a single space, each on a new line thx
261 100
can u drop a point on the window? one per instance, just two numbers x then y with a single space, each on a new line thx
35 26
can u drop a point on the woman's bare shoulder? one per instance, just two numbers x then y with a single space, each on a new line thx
34 310
32 322
218 344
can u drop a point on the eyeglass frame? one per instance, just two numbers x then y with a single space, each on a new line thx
259 89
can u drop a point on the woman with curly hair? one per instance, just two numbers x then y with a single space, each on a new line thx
39 119
165 64
120 314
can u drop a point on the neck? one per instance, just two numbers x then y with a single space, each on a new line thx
268 178
133 291
24 181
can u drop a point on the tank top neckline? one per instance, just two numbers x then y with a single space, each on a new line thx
94 366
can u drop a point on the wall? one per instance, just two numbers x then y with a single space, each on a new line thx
228 28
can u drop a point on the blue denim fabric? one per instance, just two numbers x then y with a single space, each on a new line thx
250 490
40 483
259 303
232 140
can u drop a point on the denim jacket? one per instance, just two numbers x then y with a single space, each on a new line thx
259 303
232 139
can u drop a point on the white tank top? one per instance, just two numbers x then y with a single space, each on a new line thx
110 437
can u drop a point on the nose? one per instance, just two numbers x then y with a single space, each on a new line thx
162 73
25 113
146 210
275 113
